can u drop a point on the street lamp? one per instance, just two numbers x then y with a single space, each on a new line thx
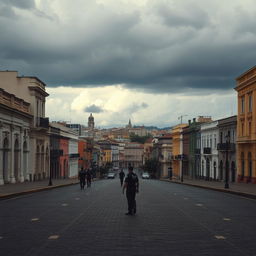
226 169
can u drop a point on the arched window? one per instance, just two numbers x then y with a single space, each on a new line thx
249 167
242 165
25 160
233 171
5 160
214 170
202 171
221 170
16 160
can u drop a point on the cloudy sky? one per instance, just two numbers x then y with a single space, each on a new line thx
148 60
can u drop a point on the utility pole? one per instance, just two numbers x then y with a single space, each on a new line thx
180 118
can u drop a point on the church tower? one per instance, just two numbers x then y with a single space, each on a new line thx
129 126
91 122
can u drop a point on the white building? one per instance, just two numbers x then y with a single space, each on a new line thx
23 129
209 152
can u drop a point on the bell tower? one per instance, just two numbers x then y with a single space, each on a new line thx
91 122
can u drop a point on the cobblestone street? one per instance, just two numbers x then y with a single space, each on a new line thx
172 219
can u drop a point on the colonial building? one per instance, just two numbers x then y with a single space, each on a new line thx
194 145
209 152
177 150
246 126
25 136
133 154
165 153
68 149
15 120
227 148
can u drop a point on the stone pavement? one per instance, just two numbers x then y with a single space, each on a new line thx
242 189
12 190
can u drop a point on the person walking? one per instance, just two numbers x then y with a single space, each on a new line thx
81 177
131 184
121 177
89 177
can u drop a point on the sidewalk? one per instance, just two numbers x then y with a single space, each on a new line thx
12 190
242 189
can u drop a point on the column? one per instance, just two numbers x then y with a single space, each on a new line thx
1 155
21 169
11 158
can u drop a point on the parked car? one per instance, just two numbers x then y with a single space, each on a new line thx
111 175
145 175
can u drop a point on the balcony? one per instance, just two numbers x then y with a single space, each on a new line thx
223 147
43 122
207 151
74 155
197 151
56 152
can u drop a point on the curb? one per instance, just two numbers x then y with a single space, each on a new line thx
248 195
11 195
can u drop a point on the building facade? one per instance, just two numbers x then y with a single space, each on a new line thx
227 148
133 154
209 151
177 150
22 143
246 126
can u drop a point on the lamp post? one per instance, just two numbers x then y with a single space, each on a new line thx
226 169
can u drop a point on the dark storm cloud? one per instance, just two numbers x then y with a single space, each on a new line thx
136 107
164 48
23 4
93 109
192 16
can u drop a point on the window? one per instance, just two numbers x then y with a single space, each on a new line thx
242 104
250 103
215 141
250 128
242 129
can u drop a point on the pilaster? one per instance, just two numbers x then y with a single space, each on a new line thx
11 159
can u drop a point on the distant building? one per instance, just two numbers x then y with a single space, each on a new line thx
133 154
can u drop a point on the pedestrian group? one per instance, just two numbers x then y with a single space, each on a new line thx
85 177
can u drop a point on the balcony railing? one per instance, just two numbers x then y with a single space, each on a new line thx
56 152
74 155
197 151
224 146
43 122
207 151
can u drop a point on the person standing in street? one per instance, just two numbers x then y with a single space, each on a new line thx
131 184
121 176
81 177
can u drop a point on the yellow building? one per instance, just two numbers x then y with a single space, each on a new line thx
246 126
177 150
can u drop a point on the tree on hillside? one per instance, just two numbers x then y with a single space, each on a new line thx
151 166
140 139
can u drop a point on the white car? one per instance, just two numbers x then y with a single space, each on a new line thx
111 175
145 175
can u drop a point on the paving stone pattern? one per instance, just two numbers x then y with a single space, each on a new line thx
172 220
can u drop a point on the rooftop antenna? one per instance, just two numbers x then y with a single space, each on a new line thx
180 118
